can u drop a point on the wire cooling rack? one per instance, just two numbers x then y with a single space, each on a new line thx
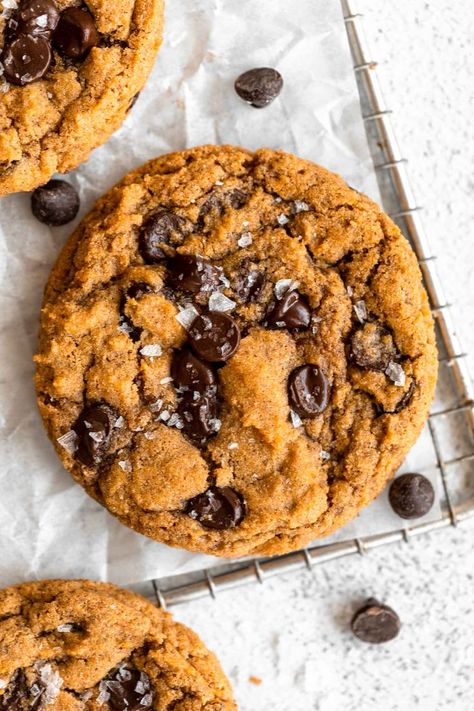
451 422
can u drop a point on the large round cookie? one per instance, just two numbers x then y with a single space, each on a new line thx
283 408
69 73
84 646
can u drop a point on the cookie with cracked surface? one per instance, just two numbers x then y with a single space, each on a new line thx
84 646
236 351
70 71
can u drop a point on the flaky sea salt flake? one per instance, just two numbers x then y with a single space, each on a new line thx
245 239
395 372
119 422
295 419
223 279
65 628
282 219
284 285
157 405
300 206
103 695
233 445
220 302
153 350
3 683
360 310
68 441
324 455
165 415
187 316
165 381
125 466
51 682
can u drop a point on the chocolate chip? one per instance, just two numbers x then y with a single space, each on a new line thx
237 198
76 33
129 689
198 412
36 17
308 390
249 284
138 289
372 347
259 87
375 623
16 695
217 508
214 336
55 203
188 371
93 428
291 311
411 495
157 235
402 403
192 274
26 59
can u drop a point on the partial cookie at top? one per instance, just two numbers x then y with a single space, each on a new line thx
85 646
70 72
236 351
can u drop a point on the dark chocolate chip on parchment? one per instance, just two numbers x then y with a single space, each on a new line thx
375 622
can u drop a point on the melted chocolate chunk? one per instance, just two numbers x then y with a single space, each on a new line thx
375 623
249 284
55 203
26 59
192 274
214 336
158 234
308 391
76 33
404 402
138 289
259 87
372 347
93 428
35 17
411 495
198 412
188 371
129 689
217 508
291 311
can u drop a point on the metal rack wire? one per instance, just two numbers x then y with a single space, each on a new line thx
458 400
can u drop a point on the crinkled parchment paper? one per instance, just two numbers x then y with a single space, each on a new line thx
48 526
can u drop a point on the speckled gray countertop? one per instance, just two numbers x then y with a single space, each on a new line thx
292 633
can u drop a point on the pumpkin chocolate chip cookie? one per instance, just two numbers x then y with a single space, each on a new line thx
69 73
84 646
236 351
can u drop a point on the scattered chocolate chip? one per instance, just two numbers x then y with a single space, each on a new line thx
214 336
192 274
411 495
401 404
372 347
16 695
375 623
26 59
76 33
198 412
217 508
129 689
259 87
237 198
249 284
291 311
308 390
157 235
138 289
36 17
55 203
188 371
93 428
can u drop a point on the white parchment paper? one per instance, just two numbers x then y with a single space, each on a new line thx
48 526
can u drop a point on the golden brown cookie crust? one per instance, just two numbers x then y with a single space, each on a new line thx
53 124
363 284
68 636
